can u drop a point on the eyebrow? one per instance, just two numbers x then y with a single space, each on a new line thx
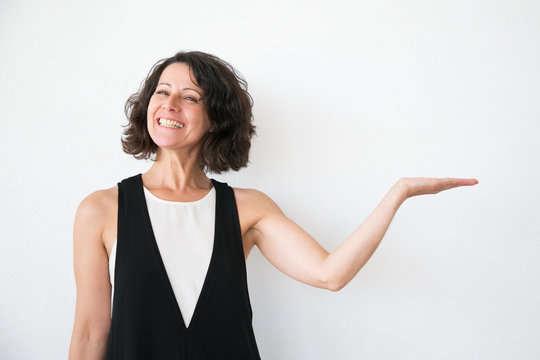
186 88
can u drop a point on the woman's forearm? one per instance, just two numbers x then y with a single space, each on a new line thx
342 264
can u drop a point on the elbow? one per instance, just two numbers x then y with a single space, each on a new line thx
332 277
333 284
335 287
86 341
330 280
92 340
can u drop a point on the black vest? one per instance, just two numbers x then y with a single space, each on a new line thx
146 320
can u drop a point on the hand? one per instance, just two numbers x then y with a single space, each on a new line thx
423 185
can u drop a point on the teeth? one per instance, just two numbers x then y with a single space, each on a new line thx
170 123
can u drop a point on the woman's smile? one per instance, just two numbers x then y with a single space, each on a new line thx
175 104
169 123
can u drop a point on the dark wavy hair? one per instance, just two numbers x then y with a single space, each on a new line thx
226 101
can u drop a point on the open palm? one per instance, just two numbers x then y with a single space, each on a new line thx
424 185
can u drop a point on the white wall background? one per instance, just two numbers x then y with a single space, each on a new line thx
349 97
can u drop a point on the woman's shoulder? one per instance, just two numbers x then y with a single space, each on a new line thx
97 206
100 199
253 205
255 201
251 195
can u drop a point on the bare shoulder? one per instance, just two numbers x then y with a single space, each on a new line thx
255 199
253 205
98 203
97 209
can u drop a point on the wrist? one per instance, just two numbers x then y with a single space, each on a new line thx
401 188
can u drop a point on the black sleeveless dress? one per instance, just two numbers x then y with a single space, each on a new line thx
146 320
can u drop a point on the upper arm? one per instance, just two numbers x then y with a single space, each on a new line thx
91 266
285 244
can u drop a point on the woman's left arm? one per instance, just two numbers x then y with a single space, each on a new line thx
296 253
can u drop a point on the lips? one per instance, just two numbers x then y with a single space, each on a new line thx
169 122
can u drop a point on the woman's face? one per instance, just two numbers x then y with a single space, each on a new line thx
176 116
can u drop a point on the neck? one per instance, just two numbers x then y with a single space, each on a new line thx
176 172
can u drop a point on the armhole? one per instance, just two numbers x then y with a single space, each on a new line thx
236 224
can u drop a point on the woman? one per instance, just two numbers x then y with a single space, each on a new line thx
169 246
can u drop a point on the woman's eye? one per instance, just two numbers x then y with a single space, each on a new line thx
159 92
191 99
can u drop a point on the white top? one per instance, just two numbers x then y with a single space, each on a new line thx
184 233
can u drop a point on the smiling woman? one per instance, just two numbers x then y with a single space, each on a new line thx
201 82
159 258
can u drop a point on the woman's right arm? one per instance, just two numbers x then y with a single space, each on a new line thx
91 266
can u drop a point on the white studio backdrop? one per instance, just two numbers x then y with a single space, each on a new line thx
349 97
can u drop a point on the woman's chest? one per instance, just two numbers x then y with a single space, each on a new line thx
245 217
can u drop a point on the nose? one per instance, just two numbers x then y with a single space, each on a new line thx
170 104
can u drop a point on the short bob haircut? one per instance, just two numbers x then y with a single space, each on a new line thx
226 101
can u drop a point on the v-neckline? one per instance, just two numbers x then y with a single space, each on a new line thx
163 271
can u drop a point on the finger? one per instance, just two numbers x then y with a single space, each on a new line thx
468 182
455 182
449 183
